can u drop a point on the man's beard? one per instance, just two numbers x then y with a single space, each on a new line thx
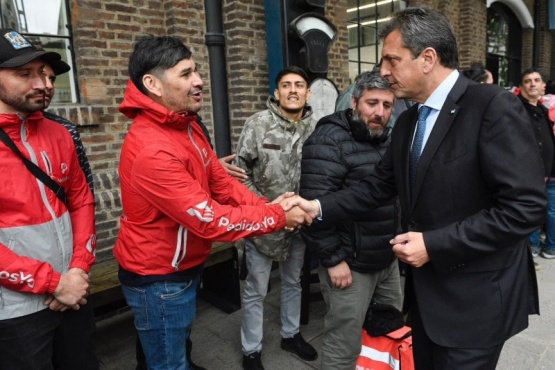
375 132
22 103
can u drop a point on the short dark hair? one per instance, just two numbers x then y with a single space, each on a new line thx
369 81
422 28
476 72
292 69
530 71
155 54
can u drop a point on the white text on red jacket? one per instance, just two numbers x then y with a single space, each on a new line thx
16 277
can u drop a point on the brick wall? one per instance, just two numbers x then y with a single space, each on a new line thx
546 42
247 61
527 39
338 55
471 32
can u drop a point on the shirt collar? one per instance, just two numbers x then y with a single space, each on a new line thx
440 94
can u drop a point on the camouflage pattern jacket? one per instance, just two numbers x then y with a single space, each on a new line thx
270 151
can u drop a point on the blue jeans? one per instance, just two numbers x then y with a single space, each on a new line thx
256 287
164 313
535 238
550 220
549 225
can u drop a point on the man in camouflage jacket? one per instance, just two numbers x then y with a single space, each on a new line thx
269 150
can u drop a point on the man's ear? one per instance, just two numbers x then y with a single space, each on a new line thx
276 94
308 93
429 59
152 84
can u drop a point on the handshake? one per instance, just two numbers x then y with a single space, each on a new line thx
298 211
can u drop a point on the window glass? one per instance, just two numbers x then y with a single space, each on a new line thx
504 35
497 45
364 20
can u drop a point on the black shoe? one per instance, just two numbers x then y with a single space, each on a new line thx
252 362
300 347
548 253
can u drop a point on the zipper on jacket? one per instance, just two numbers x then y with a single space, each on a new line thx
190 132
357 240
180 248
42 190
47 163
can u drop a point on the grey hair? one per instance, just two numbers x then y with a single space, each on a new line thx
422 28
369 81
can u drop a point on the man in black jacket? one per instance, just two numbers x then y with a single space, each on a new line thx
531 91
357 265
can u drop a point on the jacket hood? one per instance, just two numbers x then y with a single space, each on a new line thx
136 103
273 106
341 118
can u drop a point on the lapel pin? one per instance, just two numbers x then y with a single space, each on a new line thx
453 111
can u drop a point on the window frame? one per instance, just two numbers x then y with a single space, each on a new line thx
507 64
382 9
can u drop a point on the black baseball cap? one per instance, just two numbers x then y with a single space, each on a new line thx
16 50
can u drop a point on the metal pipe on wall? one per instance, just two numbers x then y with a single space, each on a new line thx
215 41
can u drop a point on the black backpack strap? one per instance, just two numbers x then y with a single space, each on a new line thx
34 169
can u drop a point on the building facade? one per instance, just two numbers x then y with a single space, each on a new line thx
96 38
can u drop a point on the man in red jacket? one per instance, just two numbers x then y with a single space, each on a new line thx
177 199
46 243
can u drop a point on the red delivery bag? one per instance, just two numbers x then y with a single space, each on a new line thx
392 351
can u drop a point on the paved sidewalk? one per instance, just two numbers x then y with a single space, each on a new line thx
217 343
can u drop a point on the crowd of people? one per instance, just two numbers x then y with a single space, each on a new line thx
453 193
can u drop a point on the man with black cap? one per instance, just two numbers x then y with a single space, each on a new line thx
47 236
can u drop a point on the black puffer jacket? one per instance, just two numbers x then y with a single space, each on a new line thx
338 154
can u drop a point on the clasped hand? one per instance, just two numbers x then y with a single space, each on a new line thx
71 291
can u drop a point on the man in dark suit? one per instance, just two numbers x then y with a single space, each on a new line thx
475 195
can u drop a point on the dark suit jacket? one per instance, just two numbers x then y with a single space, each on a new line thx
479 194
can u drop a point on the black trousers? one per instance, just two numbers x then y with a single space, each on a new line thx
48 340
431 356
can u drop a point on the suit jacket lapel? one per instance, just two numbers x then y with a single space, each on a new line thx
445 119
